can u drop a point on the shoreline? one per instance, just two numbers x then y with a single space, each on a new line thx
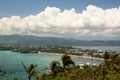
88 57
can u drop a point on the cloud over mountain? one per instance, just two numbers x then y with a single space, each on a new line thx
92 22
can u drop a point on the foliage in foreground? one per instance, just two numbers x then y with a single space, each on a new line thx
109 70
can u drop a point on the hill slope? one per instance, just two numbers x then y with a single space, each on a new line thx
27 40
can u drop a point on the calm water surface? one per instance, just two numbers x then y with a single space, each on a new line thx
11 61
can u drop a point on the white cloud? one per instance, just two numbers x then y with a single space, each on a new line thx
92 22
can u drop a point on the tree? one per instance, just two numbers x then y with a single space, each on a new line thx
30 70
107 57
67 62
56 68
54 64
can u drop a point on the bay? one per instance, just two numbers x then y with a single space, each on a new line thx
11 61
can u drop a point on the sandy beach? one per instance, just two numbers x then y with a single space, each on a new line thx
89 57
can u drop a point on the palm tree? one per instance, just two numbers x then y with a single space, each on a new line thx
54 64
30 70
67 61
107 57
107 65
56 68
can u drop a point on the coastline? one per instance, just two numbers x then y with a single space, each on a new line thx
88 57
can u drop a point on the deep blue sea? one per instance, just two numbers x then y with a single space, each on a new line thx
11 62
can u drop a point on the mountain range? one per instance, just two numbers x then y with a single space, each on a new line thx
30 40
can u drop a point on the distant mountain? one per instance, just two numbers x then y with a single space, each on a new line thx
29 40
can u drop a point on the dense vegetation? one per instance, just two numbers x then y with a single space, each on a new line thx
36 49
109 70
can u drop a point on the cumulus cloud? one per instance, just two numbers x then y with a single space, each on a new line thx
92 22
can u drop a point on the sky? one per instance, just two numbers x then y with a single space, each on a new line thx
78 19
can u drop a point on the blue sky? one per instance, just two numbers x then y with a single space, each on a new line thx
79 19
27 7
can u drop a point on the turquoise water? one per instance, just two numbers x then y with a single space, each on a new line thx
11 61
